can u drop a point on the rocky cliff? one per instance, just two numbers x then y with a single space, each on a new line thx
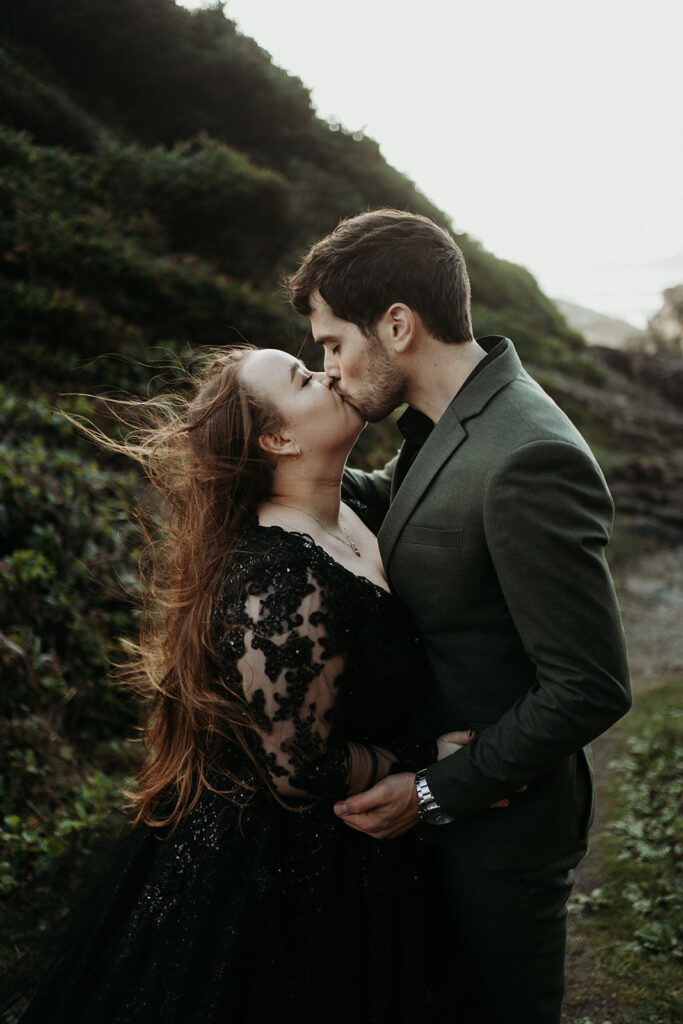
665 329
599 329
634 422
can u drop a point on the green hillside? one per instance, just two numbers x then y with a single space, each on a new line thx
168 175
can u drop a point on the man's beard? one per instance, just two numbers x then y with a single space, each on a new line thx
384 387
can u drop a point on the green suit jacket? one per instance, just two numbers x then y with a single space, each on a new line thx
495 541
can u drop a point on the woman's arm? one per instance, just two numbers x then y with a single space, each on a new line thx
291 684
372 489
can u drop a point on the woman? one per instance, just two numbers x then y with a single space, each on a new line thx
281 674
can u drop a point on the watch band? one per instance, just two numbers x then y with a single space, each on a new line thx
428 808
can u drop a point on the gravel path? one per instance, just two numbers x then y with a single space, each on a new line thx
651 596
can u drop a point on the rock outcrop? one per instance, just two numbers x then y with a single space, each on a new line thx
635 423
665 329
599 329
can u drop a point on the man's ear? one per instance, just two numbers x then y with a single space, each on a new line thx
276 443
398 327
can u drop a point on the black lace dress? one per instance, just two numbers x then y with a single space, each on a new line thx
276 912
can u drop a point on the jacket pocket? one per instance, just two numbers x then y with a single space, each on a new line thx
431 537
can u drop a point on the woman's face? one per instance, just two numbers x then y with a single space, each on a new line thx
314 416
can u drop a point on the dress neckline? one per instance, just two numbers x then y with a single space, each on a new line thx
300 535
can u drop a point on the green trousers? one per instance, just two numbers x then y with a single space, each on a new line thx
506 936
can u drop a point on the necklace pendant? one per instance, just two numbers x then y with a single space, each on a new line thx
354 548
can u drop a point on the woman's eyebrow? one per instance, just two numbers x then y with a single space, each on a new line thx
295 367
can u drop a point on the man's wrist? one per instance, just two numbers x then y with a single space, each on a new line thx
428 808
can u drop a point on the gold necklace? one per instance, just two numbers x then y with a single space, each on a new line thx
344 540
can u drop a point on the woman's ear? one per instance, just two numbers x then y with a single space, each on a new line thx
278 444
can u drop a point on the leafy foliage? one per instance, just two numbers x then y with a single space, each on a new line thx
33 841
33 105
206 198
634 922
193 72
79 278
67 589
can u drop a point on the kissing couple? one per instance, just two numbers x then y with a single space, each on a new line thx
367 780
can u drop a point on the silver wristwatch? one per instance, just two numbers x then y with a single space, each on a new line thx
427 806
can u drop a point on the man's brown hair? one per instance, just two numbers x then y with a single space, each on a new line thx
386 256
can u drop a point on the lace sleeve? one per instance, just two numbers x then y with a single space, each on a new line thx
290 661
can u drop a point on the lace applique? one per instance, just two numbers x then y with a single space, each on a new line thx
289 616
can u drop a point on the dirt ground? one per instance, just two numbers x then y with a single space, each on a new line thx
651 596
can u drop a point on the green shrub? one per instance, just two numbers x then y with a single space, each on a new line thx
31 104
208 199
80 278
68 552
633 924
68 590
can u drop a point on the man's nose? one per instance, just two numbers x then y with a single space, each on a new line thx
331 367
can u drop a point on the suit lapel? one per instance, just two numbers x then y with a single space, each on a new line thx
448 434
443 440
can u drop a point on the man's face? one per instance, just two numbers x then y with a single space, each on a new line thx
361 368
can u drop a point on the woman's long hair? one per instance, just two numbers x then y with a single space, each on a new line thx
202 456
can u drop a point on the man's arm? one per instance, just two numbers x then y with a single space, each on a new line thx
547 517
372 489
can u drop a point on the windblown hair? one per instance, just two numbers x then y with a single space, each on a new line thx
386 256
202 456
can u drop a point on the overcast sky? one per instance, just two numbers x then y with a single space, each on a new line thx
549 130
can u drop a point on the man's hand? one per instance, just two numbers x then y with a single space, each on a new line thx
390 808
387 810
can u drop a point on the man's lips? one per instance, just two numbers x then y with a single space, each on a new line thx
351 406
344 399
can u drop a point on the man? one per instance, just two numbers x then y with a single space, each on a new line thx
494 519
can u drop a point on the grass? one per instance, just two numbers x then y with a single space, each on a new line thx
630 929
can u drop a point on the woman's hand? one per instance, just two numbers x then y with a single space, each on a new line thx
449 742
